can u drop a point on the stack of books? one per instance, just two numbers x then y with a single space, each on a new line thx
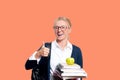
65 70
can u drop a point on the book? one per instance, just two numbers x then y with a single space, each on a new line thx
74 74
74 70
66 66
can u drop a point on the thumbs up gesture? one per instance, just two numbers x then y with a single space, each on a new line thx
44 51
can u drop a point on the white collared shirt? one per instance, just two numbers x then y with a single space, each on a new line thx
59 55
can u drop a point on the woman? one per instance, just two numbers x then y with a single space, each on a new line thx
49 55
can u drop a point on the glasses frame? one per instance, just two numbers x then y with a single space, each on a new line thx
60 27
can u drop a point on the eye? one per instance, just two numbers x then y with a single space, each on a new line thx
60 27
63 27
56 27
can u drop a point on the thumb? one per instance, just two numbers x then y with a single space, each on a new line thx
43 44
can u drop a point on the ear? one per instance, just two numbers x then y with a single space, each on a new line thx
69 30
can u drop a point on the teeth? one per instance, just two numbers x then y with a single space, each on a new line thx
59 34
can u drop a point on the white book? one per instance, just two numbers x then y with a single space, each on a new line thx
81 74
72 70
66 66
64 70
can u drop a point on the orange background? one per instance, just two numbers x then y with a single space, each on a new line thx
24 24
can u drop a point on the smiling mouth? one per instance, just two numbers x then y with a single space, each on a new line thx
59 34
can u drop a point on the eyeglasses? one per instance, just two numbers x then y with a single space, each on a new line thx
60 27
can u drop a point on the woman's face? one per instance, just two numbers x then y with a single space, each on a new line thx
62 30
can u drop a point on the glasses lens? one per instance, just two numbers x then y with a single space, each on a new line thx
60 27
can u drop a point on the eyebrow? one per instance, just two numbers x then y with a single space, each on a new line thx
60 26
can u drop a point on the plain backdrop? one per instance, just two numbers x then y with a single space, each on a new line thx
25 24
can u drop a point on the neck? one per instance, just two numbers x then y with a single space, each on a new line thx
62 43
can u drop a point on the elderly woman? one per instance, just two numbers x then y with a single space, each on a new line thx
49 55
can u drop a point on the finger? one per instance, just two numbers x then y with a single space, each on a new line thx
45 54
43 44
46 50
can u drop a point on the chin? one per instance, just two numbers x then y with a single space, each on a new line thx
59 39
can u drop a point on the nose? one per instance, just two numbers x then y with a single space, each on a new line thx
59 29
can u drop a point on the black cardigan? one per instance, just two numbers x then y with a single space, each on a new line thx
44 64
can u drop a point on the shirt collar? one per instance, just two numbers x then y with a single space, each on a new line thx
56 45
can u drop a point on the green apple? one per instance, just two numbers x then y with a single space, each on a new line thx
70 61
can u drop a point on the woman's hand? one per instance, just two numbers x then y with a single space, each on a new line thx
44 51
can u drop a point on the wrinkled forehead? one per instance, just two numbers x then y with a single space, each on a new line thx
61 23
